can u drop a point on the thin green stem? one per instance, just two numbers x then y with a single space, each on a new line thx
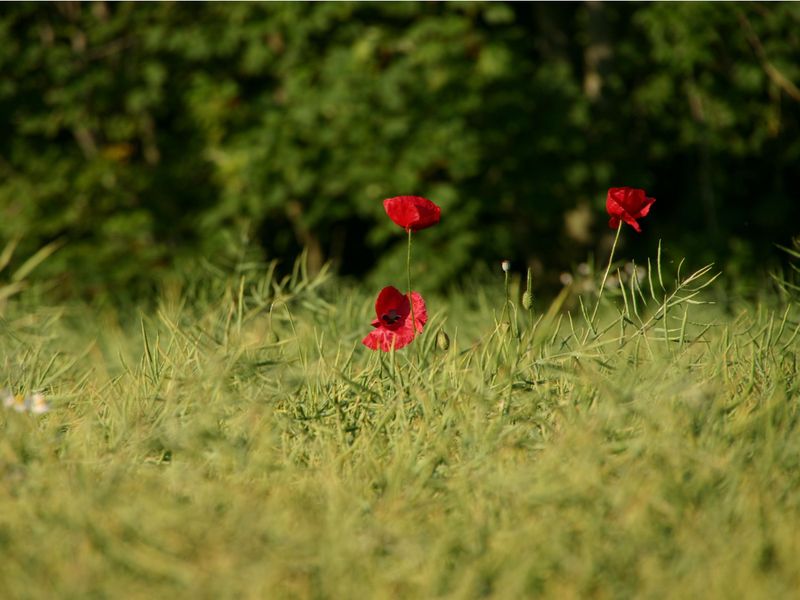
408 276
605 276
508 298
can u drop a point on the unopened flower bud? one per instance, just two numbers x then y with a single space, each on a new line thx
527 297
506 264
442 340
527 300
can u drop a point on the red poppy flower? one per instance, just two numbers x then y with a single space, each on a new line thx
393 327
412 213
627 204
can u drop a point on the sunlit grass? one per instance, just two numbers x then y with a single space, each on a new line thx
237 440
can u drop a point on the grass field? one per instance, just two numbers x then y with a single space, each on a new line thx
238 441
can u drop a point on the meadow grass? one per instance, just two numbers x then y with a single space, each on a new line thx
237 440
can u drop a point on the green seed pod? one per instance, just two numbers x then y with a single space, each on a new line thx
527 300
442 340
527 297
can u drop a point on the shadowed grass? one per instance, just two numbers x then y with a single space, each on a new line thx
238 441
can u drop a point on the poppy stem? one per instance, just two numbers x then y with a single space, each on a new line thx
605 276
508 298
408 276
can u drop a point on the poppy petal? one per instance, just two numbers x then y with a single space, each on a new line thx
412 212
380 339
627 204
648 202
402 328
632 222
406 332
391 299
383 339
420 312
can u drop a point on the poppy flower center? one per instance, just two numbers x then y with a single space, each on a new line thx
391 317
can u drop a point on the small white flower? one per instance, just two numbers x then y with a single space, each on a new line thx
33 403
10 400
36 403
506 264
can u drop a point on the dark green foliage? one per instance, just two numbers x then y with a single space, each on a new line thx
148 136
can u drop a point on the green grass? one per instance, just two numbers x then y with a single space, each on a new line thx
238 441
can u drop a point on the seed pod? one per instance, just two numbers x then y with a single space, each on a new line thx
527 297
442 340
527 300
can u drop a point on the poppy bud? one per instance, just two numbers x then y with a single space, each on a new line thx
506 265
527 300
442 340
527 297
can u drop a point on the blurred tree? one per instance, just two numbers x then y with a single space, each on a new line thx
147 135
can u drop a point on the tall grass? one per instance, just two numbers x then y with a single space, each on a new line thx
237 440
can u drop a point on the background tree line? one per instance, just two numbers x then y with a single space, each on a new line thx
145 136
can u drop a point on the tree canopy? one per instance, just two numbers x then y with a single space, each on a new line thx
144 136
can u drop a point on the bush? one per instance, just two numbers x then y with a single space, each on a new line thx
146 136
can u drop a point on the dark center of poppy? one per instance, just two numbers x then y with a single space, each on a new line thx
391 317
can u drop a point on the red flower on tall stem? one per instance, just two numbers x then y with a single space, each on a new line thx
393 325
412 213
627 204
